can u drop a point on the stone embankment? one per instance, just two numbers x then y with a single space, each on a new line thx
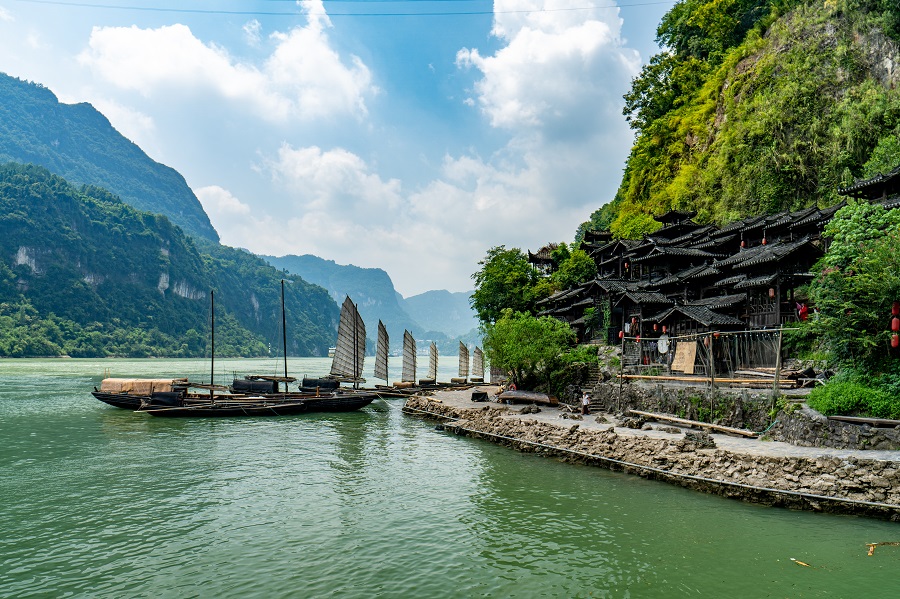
772 473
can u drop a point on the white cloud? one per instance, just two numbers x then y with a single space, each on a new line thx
252 32
5 15
335 182
560 73
131 123
304 78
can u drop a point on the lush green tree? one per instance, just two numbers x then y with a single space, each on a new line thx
505 280
856 283
578 268
526 346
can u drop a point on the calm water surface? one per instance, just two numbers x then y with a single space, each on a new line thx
102 502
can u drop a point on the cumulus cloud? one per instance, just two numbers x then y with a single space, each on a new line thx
5 15
335 182
304 78
560 73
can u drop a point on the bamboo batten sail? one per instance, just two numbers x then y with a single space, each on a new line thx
432 361
350 350
408 375
463 361
381 353
478 364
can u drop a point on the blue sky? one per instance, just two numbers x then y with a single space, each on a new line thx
407 135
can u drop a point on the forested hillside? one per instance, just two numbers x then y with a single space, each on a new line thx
758 106
84 274
78 143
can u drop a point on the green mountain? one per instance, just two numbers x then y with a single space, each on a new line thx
78 143
371 289
440 310
759 106
84 274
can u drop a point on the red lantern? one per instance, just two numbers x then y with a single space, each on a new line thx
895 324
743 243
637 339
664 329
621 334
895 340
716 334
764 241
895 309
771 292
626 265
655 326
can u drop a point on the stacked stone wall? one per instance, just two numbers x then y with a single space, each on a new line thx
833 484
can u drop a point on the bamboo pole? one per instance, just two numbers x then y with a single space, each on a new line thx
776 384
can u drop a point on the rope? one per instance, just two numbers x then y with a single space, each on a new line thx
768 428
667 472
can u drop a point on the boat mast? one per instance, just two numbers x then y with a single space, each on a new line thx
355 347
212 339
284 331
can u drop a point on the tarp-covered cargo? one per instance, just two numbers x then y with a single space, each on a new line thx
141 386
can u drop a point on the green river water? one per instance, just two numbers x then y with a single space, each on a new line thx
102 502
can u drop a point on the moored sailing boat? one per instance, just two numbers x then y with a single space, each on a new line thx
477 366
381 353
463 364
350 350
255 395
408 372
431 377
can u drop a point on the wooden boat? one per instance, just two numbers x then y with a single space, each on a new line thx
230 407
463 365
130 394
350 350
381 353
253 395
431 377
477 366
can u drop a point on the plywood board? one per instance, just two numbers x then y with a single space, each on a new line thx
685 356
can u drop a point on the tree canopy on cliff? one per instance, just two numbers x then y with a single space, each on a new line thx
758 106
84 274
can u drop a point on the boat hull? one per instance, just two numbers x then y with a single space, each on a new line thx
230 409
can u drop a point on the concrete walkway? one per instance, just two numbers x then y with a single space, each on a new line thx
737 445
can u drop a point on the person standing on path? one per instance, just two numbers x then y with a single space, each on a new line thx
585 403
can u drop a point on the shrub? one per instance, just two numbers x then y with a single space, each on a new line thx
845 398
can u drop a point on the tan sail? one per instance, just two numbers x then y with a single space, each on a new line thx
477 365
408 375
463 361
432 362
350 350
381 353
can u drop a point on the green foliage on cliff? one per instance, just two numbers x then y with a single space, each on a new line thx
758 106
84 274
80 145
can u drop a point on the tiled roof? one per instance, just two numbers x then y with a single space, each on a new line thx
719 302
700 314
763 281
645 297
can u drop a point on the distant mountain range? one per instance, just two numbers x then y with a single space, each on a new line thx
91 264
441 310
79 144
438 316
